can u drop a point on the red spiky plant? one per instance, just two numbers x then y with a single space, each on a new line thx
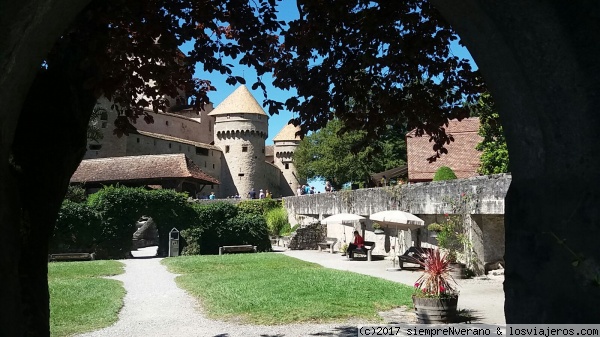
436 281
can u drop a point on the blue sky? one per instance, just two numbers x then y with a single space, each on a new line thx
288 11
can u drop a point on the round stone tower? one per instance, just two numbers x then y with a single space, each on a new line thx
285 144
241 127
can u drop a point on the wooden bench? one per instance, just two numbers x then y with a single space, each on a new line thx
237 249
414 255
72 257
367 250
328 244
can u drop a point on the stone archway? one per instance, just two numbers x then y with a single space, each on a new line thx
535 57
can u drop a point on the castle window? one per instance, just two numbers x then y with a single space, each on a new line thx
240 174
138 139
209 126
95 146
169 145
228 116
226 148
287 166
245 148
167 122
213 166
155 142
104 118
201 151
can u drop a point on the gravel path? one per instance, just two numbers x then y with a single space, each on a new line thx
155 306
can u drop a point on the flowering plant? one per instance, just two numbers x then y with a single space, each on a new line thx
436 281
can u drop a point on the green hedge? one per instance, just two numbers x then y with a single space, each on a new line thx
224 224
106 222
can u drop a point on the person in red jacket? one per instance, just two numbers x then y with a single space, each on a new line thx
359 242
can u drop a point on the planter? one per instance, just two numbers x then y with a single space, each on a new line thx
435 310
458 271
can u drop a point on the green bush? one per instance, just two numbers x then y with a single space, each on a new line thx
444 173
260 207
106 223
276 219
121 207
77 229
76 193
287 230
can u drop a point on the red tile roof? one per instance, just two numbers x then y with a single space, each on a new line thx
135 168
462 157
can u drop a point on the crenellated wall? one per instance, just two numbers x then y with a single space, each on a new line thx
481 198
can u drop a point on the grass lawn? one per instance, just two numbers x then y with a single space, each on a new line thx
270 288
80 299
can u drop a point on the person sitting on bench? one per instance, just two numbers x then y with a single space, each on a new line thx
358 243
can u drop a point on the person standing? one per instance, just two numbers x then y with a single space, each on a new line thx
299 190
327 186
358 243
212 196
268 195
261 194
252 194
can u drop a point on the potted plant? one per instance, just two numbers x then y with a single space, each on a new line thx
435 297
377 228
343 249
435 228
452 239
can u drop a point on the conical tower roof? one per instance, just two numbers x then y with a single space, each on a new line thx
240 101
288 133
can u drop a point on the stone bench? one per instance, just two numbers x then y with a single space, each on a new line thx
72 257
237 249
328 244
367 250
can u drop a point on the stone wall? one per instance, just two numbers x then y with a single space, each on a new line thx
488 194
480 198
308 237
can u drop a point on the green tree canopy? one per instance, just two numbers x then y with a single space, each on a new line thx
494 156
343 157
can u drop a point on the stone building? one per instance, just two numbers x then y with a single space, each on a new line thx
226 143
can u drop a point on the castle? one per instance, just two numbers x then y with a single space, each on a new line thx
222 151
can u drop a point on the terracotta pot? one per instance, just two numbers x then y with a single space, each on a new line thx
435 310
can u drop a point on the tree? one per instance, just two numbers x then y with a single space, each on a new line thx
128 52
494 156
346 157
535 79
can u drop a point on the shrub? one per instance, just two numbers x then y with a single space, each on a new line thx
76 193
260 207
444 173
276 219
287 230
77 229
247 229
121 207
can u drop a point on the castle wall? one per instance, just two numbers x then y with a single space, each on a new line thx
110 145
198 129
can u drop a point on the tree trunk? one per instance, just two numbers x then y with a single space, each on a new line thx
29 29
540 60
